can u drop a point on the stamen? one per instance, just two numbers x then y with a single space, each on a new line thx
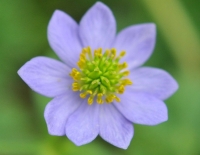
126 82
123 66
125 73
113 53
123 53
121 89
100 75
99 98
90 100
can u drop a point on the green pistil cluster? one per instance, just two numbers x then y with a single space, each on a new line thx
100 76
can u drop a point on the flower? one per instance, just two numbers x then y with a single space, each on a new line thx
99 87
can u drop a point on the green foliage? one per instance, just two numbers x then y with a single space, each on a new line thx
23 27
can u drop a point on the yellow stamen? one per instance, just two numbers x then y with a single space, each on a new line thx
126 82
113 53
121 89
123 53
84 94
117 99
107 53
99 98
90 100
123 66
110 98
126 73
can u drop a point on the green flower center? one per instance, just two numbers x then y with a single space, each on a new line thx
100 75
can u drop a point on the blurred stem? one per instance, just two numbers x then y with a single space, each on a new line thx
179 32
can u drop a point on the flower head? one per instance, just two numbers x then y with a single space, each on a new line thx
99 87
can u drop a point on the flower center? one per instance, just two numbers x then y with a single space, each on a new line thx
100 75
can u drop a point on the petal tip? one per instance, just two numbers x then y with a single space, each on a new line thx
100 4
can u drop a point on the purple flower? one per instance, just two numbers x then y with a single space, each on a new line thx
99 87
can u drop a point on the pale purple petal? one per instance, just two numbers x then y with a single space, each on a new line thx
98 27
142 108
58 110
115 128
83 125
153 81
138 41
46 76
63 37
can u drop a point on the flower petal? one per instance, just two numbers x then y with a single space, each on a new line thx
138 41
98 27
115 128
153 81
46 76
142 108
58 110
83 126
63 37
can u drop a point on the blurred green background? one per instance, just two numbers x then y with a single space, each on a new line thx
23 26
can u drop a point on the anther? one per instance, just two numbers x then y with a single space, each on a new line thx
90 100
121 89
123 53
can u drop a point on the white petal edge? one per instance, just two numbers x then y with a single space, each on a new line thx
58 110
98 27
46 76
153 81
63 37
138 41
141 108
114 127
83 125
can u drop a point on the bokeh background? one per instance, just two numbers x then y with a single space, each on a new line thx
23 26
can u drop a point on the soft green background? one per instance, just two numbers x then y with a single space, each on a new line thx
23 25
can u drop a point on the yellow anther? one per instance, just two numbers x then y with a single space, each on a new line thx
75 89
122 53
89 50
90 100
126 82
99 98
77 76
74 70
83 95
84 50
89 92
107 100
123 66
113 53
75 84
117 99
80 64
125 73
110 98
107 53
98 52
121 89
83 56
83 60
